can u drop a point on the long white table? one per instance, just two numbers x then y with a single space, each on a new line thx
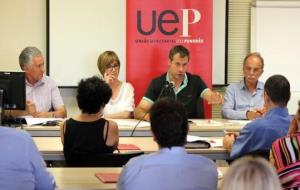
203 127
52 148
84 178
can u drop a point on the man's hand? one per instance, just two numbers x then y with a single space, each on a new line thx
216 98
253 114
228 140
30 107
44 114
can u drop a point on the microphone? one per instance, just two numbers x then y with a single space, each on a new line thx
167 86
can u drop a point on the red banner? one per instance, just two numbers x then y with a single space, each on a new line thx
154 27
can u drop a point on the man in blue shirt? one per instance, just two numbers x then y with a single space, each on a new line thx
259 135
171 167
21 165
244 100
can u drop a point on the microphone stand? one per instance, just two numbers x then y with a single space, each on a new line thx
168 85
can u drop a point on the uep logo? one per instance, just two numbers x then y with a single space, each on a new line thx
161 20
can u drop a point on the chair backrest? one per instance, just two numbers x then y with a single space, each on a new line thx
83 159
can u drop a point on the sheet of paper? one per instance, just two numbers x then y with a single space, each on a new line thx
131 123
36 121
206 122
220 174
212 141
239 122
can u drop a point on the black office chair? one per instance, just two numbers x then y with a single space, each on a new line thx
83 159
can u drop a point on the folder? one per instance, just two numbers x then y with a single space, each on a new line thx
108 177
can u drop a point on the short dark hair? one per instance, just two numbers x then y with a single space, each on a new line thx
92 93
277 87
169 122
183 52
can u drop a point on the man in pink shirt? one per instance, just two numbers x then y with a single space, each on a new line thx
43 98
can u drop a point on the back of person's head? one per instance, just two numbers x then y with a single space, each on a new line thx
251 173
277 87
105 59
92 93
169 122
183 52
254 54
25 57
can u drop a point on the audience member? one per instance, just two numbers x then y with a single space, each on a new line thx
188 89
285 155
244 100
121 104
43 98
262 132
250 173
171 167
21 165
89 132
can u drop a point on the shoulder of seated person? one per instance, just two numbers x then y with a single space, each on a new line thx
112 123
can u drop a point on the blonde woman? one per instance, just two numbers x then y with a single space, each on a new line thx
249 173
121 104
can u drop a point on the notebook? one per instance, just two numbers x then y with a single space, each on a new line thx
202 142
128 147
108 177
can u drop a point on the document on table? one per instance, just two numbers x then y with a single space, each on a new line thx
213 142
39 121
131 123
239 122
206 122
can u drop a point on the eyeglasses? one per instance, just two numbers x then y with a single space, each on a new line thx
112 66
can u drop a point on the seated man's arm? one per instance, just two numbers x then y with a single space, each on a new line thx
119 115
142 110
30 109
59 112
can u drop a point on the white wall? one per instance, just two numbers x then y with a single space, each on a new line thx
22 24
275 33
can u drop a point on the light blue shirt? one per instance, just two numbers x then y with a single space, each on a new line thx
21 165
169 169
262 132
238 100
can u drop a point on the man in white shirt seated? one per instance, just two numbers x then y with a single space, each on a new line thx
43 98
171 167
